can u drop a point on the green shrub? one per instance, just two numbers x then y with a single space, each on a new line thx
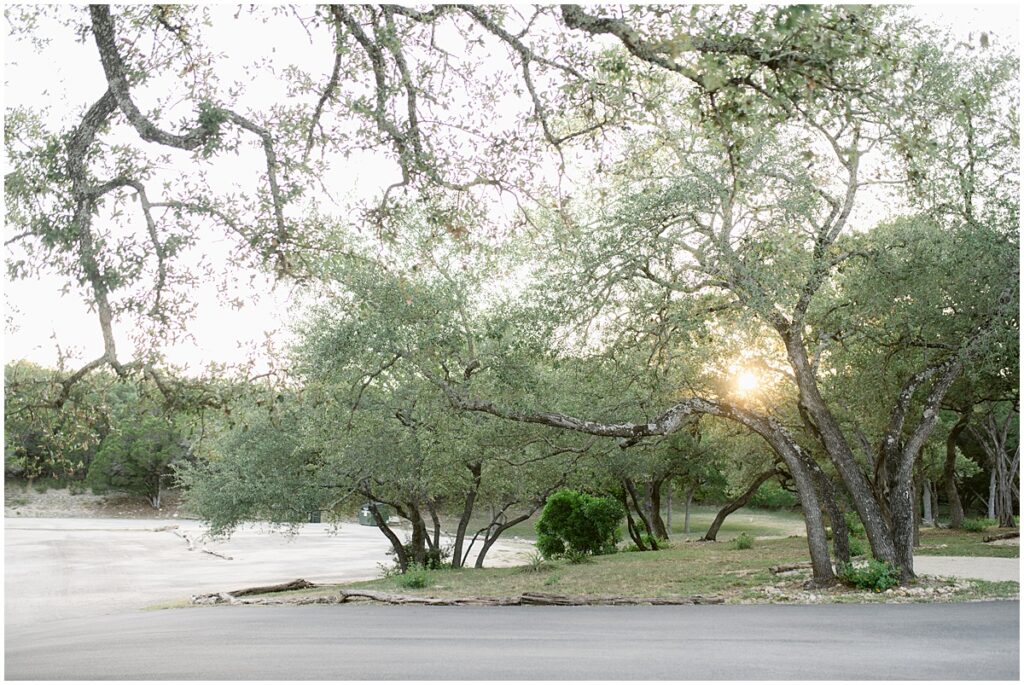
856 547
978 525
577 523
137 456
771 495
414 578
743 541
854 524
876 575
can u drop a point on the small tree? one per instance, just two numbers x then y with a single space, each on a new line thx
137 456
576 522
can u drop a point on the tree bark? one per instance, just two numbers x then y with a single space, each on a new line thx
737 503
495 533
902 456
837 448
434 542
830 499
419 535
992 493
668 507
917 514
400 556
467 513
926 503
686 510
956 509
651 538
654 498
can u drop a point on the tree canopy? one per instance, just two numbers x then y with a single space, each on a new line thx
802 221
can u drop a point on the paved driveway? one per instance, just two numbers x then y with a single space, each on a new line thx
980 568
68 568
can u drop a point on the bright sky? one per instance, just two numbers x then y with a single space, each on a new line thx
37 314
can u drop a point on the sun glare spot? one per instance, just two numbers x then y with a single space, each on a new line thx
747 382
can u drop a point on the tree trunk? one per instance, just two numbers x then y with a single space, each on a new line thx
396 544
737 503
956 509
838 449
654 498
917 514
634 534
494 533
686 509
640 513
1004 495
467 513
668 507
419 535
434 542
992 493
830 500
926 503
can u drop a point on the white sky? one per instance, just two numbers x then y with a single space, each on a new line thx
36 313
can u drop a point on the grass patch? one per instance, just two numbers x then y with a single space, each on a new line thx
961 543
685 569
753 522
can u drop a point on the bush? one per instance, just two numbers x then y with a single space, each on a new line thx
856 547
876 575
136 457
415 577
771 495
577 523
743 541
854 525
978 525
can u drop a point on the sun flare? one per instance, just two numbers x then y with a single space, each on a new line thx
747 382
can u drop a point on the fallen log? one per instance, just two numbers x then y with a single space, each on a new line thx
525 599
298 584
389 598
1001 536
232 597
545 599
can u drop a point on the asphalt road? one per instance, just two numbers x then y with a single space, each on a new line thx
764 642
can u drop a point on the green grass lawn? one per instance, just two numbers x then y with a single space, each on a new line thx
958 543
685 568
